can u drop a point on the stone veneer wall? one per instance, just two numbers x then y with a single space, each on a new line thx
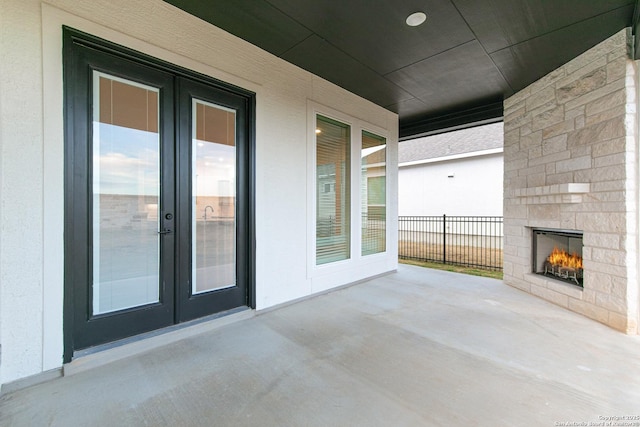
570 151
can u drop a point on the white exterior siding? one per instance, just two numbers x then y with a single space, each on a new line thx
475 189
31 146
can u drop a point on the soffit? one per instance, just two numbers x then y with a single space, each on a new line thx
454 69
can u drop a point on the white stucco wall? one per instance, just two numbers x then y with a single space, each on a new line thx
21 207
31 144
475 189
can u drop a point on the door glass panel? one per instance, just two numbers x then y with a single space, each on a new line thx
373 193
213 197
126 188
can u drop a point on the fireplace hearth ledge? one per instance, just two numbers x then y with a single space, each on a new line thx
555 285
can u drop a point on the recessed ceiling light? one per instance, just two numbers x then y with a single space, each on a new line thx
416 19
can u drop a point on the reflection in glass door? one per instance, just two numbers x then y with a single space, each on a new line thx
213 171
126 190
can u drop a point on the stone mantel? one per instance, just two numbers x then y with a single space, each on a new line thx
548 194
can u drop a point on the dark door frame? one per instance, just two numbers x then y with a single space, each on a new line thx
75 217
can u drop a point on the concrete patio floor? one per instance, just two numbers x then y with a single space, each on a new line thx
416 347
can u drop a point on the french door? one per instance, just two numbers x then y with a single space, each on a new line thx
158 225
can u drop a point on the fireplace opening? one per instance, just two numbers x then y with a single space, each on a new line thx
558 254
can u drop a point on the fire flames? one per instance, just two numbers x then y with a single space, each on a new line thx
561 258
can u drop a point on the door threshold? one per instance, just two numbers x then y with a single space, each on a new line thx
100 355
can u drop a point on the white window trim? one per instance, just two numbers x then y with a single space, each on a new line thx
357 126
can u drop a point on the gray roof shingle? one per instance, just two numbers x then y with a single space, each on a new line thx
469 140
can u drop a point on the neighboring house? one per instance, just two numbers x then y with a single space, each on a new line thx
453 173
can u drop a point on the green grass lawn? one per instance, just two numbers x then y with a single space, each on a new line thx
454 268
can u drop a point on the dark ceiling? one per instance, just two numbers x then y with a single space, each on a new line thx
453 70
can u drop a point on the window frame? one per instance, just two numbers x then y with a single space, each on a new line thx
358 126
386 192
346 210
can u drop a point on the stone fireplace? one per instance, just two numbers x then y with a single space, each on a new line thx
571 182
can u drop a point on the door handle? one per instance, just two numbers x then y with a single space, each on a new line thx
165 231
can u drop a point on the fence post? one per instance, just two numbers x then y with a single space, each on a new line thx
444 238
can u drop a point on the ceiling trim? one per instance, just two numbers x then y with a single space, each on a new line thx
432 125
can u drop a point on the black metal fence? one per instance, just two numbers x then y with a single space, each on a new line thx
470 241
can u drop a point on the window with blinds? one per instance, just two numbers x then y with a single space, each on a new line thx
333 190
373 193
